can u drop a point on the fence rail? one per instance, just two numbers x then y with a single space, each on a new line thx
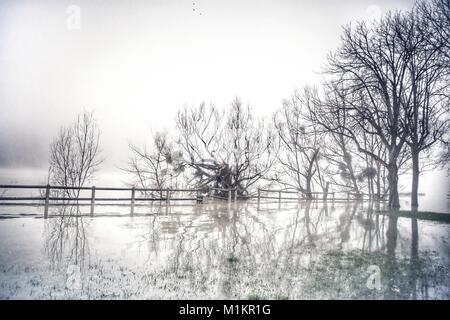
23 186
165 195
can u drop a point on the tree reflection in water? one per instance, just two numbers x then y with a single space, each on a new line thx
66 241
306 251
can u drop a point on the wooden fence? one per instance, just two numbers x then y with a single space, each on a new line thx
332 196
66 198
163 195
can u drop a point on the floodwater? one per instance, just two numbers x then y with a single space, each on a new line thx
344 250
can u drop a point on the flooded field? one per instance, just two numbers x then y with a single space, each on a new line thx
344 250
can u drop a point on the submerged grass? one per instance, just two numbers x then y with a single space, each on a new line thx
421 215
343 275
301 254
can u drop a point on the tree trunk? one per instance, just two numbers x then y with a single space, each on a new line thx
391 236
414 273
310 173
415 178
348 163
369 188
308 187
391 245
394 201
378 182
325 191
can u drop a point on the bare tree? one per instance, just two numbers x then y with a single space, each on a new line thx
199 130
157 168
340 151
437 15
75 154
300 142
228 150
426 100
248 147
371 66
314 156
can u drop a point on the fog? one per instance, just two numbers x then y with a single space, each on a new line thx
136 62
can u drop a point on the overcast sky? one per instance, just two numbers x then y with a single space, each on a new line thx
136 62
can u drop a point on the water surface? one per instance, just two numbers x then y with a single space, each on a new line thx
292 251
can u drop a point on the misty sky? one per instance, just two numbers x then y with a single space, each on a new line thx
136 62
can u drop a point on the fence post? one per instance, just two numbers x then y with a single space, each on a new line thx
229 196
279 197
92 200
47 198
259 196
133 192
348 196
199 196
235 194
327 187
167 195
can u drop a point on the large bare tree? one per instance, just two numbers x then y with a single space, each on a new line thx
426 99
347 169
229 149
437 15
371 67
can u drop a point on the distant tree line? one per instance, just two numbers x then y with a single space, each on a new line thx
382 110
